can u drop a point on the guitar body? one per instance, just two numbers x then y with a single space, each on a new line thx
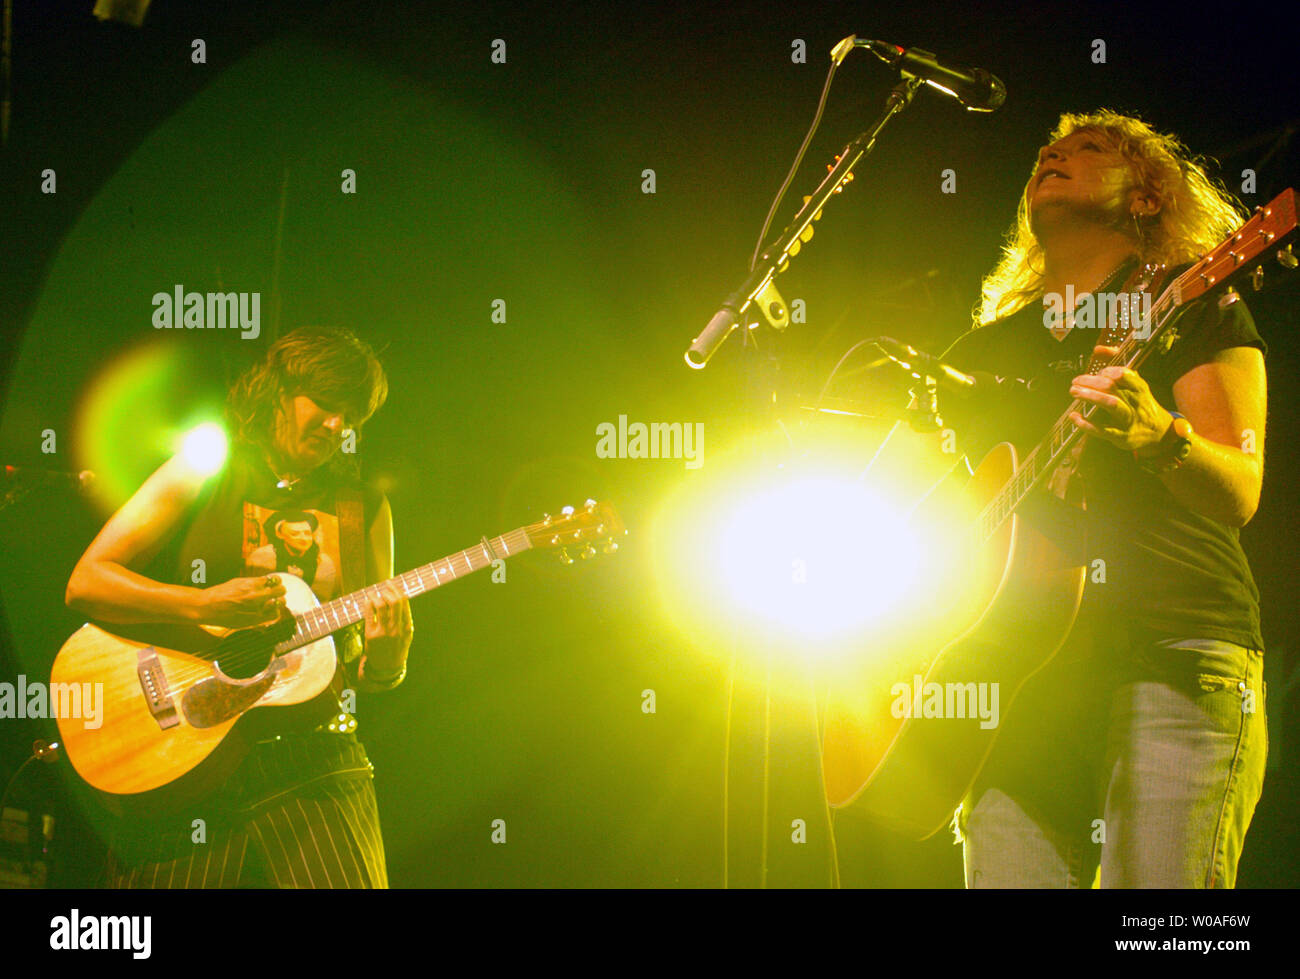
173 723
909 771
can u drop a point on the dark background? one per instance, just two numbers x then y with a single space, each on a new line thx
522 181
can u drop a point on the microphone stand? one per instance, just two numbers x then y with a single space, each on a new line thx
759 288
762 371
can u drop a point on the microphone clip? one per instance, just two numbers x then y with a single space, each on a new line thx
923 413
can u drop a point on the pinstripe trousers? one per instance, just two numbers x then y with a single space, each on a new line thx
299 812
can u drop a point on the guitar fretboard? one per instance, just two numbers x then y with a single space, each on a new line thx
334 615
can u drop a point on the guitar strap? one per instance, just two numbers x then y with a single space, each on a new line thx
352 539
352 544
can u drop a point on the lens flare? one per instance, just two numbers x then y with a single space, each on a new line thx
817 557
804 563
204 448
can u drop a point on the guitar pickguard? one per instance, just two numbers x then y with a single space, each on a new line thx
215 700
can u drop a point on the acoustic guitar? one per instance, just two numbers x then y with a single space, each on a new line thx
175 721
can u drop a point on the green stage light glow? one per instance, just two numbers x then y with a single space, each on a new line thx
140 409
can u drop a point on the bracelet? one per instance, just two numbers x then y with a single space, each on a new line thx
1174 447
389 681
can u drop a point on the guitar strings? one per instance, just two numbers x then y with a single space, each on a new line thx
249 647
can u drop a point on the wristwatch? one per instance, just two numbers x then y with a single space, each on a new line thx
1173 448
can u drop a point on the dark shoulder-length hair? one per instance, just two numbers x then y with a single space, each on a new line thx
330 365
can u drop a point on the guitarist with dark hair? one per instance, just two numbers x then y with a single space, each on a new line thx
299 810
1137 754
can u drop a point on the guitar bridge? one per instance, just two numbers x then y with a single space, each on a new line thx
153 683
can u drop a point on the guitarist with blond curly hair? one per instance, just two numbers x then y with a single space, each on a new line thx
1136 755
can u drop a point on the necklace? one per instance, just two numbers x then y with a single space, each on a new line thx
1107 277
1067 320
282 482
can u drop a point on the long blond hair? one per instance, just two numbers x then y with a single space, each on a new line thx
1197 211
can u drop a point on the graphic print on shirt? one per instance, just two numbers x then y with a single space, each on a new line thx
1071 368
301 542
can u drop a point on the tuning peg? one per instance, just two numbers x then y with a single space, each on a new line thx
1286 258
590 505
611 546
588 552
565 557
566 511
546 519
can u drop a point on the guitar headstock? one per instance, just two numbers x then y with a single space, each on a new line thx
1268 229
583 528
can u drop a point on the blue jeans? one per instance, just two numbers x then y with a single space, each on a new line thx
1141 758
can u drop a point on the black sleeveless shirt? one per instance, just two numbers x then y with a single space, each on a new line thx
242 524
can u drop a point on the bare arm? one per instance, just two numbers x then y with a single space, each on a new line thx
389 628
1225 400
105 586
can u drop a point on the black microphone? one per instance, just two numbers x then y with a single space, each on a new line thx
24 476
46 751
976 384
974 88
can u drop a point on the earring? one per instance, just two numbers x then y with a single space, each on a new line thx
1137 228
1029 261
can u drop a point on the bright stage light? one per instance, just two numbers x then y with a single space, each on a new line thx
816 557
812 560
204 448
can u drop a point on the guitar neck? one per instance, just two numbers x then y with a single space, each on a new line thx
330 617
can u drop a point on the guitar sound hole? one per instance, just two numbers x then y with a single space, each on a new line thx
247 653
